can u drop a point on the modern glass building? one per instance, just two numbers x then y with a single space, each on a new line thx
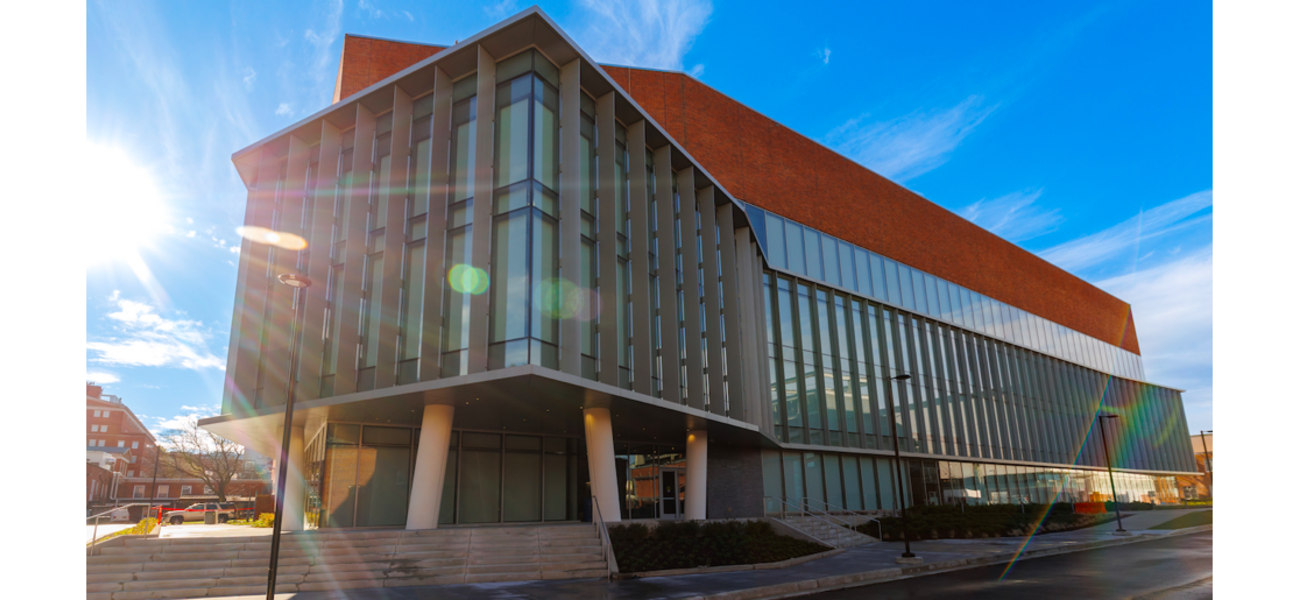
543 285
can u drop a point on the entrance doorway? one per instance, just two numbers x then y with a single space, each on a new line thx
672 483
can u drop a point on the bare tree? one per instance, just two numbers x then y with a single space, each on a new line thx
203 455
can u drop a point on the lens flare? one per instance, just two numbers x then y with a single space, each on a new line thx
468 280
279 239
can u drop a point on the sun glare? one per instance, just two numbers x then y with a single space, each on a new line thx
126 208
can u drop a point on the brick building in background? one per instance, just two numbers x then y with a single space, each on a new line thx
120 454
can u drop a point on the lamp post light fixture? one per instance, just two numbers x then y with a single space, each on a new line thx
299 283
907 557
1119 518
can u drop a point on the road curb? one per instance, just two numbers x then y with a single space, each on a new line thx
837 582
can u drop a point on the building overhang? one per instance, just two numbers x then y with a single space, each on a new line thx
522 399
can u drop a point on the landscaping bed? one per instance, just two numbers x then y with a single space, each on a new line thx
690 544
1001 520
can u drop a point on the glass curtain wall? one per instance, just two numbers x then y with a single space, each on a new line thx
338 239
525 291
588 176
372 286
413 261
832 358
460 224
652 226
806 252
837 482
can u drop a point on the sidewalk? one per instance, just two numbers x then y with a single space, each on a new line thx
872 562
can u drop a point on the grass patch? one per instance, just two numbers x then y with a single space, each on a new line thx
1204 517
950 522
140 528
689 544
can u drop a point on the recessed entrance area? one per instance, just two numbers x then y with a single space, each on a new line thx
360 476
652 478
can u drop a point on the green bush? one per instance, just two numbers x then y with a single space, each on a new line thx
688 544
998 520
264 520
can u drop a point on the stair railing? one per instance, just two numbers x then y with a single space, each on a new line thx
804 511
879 528
94 536
606 545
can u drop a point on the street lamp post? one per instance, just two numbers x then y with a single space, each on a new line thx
299 283
153 487
1101 420
907 556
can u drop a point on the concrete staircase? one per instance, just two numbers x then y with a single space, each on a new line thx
828 531
195 567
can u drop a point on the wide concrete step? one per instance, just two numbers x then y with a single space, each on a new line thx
153 568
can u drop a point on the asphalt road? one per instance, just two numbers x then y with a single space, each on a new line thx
1168 569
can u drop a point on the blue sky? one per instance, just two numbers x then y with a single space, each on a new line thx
1081 132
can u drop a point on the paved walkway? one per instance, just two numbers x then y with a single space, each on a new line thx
215 531
871 561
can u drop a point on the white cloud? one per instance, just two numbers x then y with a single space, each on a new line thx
697 71
250 76
1173 310
322 54
234 249
908 146
1014 216
655 34
500 10
824 55
190 233
1119 239
102 377
284 109
146 339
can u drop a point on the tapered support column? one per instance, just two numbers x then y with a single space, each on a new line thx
697 473
430 467
600 462
295 485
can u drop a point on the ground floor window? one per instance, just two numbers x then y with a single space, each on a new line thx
360 476
832 481
162 491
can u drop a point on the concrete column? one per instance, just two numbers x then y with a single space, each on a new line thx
697 473
571 207
295 484
430 467
600 462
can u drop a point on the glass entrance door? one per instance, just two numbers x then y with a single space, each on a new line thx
671 482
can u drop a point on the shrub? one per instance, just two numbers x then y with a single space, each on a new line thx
687 544
264 520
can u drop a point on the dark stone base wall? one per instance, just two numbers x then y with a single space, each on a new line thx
735 482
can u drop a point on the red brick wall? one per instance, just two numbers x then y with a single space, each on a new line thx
773 167
368 60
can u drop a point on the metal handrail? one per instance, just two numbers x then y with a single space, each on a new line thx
803 511
94 534
880 530
606 546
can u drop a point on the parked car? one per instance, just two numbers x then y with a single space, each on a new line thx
195 512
